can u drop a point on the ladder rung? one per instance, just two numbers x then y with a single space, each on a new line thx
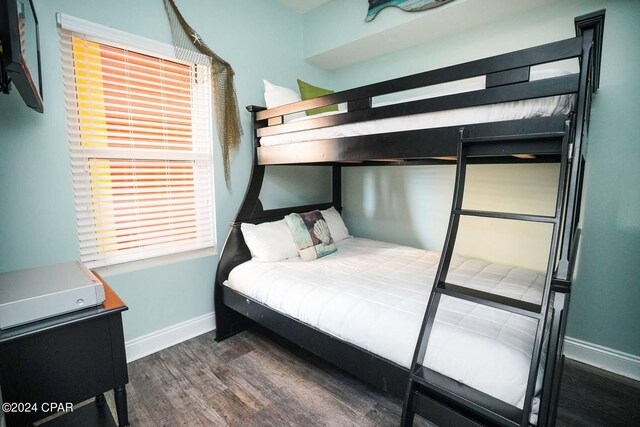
506 215
511 305
440 414
549 143
507 148
500 413
560 284
518 137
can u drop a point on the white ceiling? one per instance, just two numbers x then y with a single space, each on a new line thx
302 6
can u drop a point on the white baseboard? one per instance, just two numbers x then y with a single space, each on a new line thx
611 360
174 334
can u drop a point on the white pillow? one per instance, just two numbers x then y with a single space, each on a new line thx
336 225
275 96
269 241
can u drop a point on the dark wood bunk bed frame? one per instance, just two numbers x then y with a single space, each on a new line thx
507 79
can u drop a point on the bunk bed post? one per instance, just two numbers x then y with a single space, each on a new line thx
590 27
555 360
251 203
228 321
595 22
336 183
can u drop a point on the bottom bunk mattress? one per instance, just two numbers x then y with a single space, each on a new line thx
374 294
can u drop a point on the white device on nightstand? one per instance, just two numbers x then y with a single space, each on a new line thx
38 293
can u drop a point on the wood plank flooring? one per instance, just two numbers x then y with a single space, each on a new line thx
255 379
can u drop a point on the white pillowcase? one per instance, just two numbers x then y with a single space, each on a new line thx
337 228
272 241
269 241
275 96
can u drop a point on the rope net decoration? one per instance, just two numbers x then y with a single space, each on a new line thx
184 40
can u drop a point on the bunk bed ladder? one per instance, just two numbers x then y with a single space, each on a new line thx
424 388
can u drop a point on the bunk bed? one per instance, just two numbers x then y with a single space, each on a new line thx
541 118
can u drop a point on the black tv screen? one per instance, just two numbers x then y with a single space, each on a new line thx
20 51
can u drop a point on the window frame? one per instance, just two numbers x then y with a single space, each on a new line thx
72 27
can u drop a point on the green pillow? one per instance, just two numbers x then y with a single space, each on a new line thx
308 91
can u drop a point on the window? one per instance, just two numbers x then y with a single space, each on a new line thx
139 127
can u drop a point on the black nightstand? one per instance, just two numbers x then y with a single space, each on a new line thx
68 358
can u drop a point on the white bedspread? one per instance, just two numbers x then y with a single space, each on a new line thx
374 294
527 109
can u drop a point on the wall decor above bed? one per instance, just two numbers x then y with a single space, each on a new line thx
376 6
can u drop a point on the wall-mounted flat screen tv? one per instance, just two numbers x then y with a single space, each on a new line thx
20 51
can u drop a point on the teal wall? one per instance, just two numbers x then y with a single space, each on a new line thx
410 205
261 39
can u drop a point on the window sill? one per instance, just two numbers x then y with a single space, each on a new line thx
127 267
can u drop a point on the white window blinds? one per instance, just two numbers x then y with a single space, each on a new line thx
139 127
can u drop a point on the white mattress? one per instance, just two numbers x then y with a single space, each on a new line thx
531 108
374 294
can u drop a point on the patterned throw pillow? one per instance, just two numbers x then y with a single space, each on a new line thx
311 234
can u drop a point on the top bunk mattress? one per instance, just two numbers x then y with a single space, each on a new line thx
374 294
525 109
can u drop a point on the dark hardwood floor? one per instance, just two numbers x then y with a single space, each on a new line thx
253 379
592 397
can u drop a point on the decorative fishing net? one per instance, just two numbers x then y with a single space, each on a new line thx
185 39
